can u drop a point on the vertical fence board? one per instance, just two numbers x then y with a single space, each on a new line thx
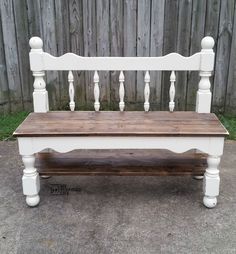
50 45
223 55
90 42
34 18
113 27
4 92
11 55
183 43
170 41
116 39
143 42
197 33
230 100
156 48
130 48
77 47
63 46
103 48
22 36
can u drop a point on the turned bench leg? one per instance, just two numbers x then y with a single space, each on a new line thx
30 181
211 182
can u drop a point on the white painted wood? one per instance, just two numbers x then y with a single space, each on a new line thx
210 145
121 91
30 181
172 91
70 61
203 100
96 91
147 91
40 94
211 182
71 90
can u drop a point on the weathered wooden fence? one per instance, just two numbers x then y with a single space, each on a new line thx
116 28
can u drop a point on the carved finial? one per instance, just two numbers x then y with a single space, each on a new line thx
36 43
207 43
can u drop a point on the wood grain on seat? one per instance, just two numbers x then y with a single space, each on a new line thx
121 162
115 123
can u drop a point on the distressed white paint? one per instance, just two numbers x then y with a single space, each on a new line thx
209 145
203 100
121 91
71 91
147 91
96 91
40 60
202 61
172 91
40 94
30 181
211 182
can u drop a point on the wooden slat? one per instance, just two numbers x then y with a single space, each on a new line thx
63 45
223 55
77 46
11 53
170 41
230 102
156 47
121 163
5 105
90 42
103 47
22 36
197 33
116 21
50 45
107 123
34 18
143 42
130 46
183 44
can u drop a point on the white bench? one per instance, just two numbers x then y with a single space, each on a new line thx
70 130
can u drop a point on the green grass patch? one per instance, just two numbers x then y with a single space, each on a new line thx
230 124
8 124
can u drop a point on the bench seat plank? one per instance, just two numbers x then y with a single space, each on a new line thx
115 123
121 162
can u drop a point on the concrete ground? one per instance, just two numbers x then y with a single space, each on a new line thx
116 214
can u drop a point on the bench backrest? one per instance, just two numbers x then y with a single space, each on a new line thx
202 61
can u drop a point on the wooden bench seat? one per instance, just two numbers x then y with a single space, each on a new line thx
121 163
115 123
161 140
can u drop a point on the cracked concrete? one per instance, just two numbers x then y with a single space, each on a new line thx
116 214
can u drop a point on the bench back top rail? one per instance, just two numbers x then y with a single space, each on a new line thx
202 61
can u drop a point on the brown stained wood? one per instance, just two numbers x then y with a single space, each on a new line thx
114 123
121 163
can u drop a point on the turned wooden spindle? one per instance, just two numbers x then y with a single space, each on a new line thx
172 91
203 102
96 91
147 91
40 94
71 90
121 91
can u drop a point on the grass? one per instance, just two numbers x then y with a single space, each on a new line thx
9 122
230 124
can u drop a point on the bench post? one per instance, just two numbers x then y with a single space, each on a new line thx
40 94
203 102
